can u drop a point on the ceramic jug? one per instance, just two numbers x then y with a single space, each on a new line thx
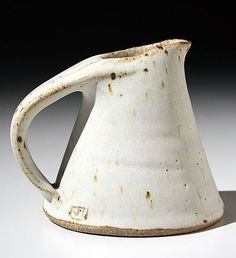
134 165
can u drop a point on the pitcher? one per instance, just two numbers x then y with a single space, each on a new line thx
134 165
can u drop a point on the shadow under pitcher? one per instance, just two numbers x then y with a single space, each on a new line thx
134 164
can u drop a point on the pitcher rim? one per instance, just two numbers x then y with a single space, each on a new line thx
146 50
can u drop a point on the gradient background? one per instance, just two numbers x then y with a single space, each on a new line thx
38 41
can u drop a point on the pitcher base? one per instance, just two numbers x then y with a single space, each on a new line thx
128 232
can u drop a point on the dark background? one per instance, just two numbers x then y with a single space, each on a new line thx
39 39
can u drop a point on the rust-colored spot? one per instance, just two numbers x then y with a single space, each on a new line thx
179 58
148 195
110 89
166 52
205 221
95 179
158 46
19 139
25 146
162 84
113 76
121 189
145 70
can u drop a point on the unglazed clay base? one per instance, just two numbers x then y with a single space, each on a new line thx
114 231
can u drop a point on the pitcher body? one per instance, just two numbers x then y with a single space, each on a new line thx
135 164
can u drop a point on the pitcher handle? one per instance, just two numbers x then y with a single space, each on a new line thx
72 80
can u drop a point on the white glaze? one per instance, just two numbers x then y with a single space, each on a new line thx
139 162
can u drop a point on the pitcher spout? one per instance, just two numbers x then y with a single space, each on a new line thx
135 53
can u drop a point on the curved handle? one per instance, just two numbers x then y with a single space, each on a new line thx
77 78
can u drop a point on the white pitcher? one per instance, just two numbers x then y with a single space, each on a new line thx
134 165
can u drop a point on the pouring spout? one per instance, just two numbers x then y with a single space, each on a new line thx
135 53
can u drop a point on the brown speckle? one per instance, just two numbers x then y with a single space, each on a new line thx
121 95
113 76
25 146
59 197
158 46
145 70
162 84
196 213
205 221
179 58
110 89
146 95
146 54
197 163
166 52
205 198
185 185
95 179
19 139
167 169
121 189
148 195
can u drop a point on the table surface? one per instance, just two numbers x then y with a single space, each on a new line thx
26 232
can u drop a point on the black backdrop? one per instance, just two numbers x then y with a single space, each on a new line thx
42 39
